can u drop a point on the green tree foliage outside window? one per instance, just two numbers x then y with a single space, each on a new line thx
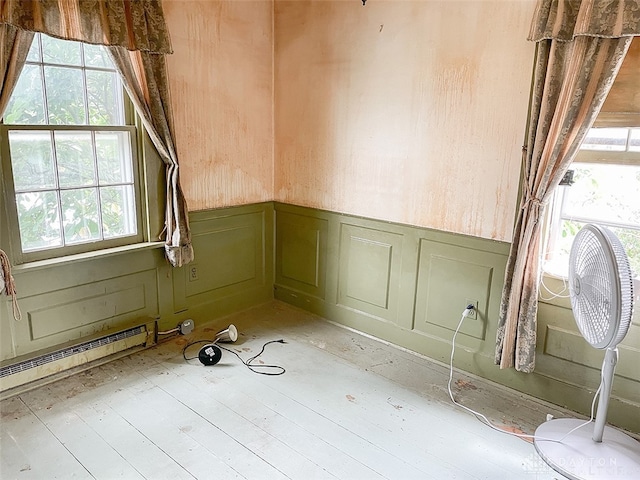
71 152
605 194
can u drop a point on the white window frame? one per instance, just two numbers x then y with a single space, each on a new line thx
602 157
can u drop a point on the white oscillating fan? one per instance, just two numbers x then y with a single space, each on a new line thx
601 291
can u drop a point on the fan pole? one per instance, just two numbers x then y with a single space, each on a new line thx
608 367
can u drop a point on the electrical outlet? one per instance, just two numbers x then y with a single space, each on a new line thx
193 273
473 314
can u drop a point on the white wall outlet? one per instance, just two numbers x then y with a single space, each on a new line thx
193 273
473 314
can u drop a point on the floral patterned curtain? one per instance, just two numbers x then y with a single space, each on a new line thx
144 76
136 26
133 24
14 47
580 47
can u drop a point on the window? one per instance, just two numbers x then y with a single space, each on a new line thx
605 191
69 146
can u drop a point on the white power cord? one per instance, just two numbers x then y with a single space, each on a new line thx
564 293
482 418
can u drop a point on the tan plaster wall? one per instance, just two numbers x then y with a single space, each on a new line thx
407 111
220 77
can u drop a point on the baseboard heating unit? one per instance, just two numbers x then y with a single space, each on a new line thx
72 358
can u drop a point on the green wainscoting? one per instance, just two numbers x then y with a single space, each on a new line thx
301 253
233 267
409 286
402 284
65 300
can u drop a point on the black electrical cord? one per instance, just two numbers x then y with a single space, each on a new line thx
248 363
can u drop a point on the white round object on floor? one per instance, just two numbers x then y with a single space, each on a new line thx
578 457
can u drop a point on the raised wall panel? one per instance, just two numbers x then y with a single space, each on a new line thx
370 264
230 257
568 345
236 253
449 276
564 353
437 273
367 272
57 316
88 310
301 250
64 300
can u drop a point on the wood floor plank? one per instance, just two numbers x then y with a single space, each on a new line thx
83 395
153 413
77 436
146 457
331 432
321 378
304 441
194 424
258 441
28 449
385 425
349 407
413 371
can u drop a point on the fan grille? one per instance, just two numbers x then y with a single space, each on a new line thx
601 286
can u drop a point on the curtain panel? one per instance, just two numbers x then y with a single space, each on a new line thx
573 73
564 20
14 47
138 39
144 76
133 24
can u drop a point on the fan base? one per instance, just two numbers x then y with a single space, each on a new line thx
579 457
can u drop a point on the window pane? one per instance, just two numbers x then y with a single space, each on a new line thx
32 160
634 142
606 193
114 157
75 159
102 97
39 220
629 238
118 211
96 56
34 51
612 139
65 99
26 105
61 51
73 184
80 215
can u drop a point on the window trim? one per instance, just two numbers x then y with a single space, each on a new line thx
613 120
63 250
601 157
149 187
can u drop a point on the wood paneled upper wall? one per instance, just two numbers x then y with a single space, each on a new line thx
221 85
407 111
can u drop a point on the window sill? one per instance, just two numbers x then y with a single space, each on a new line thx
554 288
81 257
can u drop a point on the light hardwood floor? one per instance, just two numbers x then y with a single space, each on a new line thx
348 407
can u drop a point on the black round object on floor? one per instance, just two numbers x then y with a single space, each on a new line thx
210 354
